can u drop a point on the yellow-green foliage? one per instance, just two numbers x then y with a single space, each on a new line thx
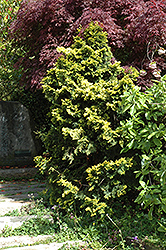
84 90
104 183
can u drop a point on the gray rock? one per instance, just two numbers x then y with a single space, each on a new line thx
17 145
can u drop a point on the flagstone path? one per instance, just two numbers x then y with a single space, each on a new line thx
14 195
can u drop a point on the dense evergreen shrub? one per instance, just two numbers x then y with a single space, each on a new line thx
104 130
83 158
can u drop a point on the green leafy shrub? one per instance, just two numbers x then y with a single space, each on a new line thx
83 163
145 130
9 76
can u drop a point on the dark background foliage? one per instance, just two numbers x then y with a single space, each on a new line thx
136 30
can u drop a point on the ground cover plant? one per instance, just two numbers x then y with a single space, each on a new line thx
129 227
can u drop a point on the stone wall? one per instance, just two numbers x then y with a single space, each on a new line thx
17 146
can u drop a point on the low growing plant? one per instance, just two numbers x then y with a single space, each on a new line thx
126 225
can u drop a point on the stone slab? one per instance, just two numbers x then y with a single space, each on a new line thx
7 205
17 146
51 246
17 221
20 240
14 195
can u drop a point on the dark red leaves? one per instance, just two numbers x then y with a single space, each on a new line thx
131 25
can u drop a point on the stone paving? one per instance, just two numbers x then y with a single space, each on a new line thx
20 190
51 246
14 195
20 240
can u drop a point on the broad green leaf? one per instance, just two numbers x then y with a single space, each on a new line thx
156 191
156 201
145 171
140 196
138 199
146 146
148 115
143 131
164 193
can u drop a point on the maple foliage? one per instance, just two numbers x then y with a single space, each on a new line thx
136 30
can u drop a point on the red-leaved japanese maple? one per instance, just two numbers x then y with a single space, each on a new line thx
136 30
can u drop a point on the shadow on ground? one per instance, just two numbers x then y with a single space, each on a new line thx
21 190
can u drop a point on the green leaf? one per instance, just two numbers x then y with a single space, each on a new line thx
148 115
155 117
156 191
143 131
163 206
140 196
152 134
161 228
146 146
157 142
150 213
130 145
145 171
156 201
132 110
164 193
126 107
143 184
163 201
